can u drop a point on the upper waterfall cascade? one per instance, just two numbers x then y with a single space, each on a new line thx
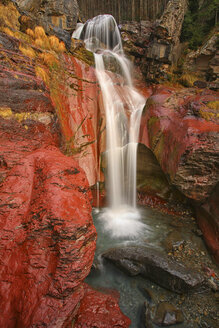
123 107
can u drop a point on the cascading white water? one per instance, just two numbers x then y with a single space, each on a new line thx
76 34
123 107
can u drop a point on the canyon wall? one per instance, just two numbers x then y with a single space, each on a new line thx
123 10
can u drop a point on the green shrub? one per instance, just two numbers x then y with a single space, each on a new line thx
199 21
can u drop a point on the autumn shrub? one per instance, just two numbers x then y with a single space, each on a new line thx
187 79
27 51
9 15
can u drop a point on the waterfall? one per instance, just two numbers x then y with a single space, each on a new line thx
123 107
76 34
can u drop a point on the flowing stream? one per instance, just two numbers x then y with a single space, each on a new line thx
122 223
123 108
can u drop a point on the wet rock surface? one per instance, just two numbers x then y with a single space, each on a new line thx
179 240
47 234
45 220
154 265
193 147
208 220
47 242
100 309
153 186
166 315
188 155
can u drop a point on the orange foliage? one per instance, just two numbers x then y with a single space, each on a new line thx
8 31
62 47
27 51
39 32
49 59
39 43
30 33
54 42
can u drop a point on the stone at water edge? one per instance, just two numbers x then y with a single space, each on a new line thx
100 310
156 266
208 220
166 315
163 314
183 133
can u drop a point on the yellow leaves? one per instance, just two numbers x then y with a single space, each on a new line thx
62 47
213 105
8 31
211 111
5 112
50 60
54 42
39 32
30 33
39 43
56 45
45 118
24 19
40 72
27 51
187 79
42 41
9 16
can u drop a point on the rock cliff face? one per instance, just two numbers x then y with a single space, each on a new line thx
185 152
47 235
182 126
154 47
205 61
123 10
56 17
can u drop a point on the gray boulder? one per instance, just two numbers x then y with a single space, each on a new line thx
156 266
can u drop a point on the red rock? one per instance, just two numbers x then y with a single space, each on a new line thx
47 240
76 96
20 88
182 133
208 220
100 310
47 237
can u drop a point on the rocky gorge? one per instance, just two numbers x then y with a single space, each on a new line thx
53 144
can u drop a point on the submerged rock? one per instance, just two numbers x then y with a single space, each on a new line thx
166 315
98 309
156 266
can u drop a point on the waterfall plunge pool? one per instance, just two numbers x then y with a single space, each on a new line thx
157 230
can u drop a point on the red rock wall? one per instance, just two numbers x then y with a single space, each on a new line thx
80 114
47 237
47 240
182 133
181 127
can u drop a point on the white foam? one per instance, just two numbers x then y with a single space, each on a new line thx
123 222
